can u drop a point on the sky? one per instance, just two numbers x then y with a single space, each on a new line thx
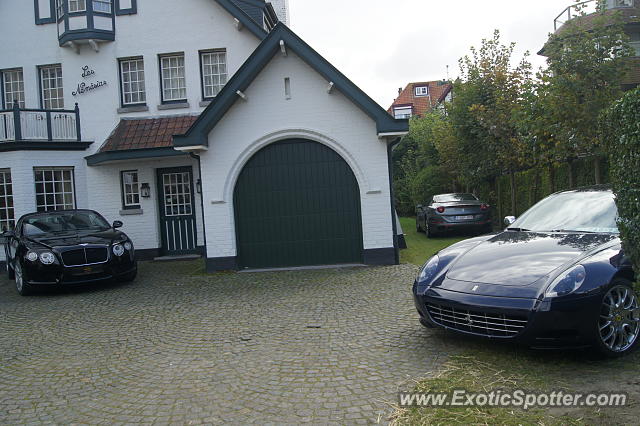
382 45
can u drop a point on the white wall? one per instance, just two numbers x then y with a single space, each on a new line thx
311 113
159 27
282 10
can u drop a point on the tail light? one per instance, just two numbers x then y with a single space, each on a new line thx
484 207
440 209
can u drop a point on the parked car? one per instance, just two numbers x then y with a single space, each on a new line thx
448 212
67 247
555 277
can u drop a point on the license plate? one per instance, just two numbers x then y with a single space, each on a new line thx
464 217
87 270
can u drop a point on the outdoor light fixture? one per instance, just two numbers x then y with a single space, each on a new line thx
199 186
145 191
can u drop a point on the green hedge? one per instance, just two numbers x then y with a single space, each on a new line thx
623 131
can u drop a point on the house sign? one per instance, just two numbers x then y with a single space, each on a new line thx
84 87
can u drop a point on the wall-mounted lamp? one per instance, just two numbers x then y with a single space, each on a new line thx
199 186
145 191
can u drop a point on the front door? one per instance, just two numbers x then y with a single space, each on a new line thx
177 211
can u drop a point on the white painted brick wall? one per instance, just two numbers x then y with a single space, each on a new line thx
282 10
311 113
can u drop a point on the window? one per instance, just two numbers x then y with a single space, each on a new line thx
422 91
13 85
6 200
59 9
54 188
77 6
402 112
132 81
103 6
635 42
624 3
130 189
214 72
173 81
52 95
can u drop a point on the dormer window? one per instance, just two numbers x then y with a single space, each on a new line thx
403 112
422 91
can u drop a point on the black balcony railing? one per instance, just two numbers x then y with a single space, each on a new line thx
21 124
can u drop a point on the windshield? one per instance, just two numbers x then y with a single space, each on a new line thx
64 222
445 198
580 211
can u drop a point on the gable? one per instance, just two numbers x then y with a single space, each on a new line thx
271 46
245 13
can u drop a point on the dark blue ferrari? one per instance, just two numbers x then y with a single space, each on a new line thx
556 277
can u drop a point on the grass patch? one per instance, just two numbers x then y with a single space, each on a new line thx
486 366
419 247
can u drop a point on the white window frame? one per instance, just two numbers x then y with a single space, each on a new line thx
173 78
77 6
56 187
421 91
619 3
213 82
7 212
99 4
51 87
130 189
132 78
402 112
59 9
9 79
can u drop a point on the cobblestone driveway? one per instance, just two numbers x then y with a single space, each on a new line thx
329 346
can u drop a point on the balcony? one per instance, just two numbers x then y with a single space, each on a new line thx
85 22
588 7
26 129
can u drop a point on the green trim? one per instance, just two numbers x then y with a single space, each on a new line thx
244 19
26 145
197 134
87 34
43 21
131 154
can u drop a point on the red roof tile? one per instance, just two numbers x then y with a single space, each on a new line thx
147 133
421 104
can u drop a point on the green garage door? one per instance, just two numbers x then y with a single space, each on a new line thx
297 203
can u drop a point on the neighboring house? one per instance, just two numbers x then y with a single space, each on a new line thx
283 161
629 10
417 99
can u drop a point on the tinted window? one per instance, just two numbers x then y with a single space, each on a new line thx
445 198
572 211
64 222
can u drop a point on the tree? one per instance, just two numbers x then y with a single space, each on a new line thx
621 125
586 64
489 96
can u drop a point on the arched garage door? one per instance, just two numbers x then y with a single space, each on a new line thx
297 203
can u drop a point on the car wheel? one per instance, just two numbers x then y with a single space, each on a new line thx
430 233
10 274
128 277
618 320
22 287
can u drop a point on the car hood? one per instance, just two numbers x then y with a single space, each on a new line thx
72 239
522 258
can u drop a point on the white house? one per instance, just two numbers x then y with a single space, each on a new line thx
277 160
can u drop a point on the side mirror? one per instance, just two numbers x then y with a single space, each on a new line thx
117 224
508 220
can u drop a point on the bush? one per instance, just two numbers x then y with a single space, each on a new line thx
622 124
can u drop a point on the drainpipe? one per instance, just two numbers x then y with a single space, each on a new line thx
204 228
396 247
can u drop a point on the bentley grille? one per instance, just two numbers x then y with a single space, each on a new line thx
85 256
478 322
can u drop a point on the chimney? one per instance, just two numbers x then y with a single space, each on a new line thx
399 90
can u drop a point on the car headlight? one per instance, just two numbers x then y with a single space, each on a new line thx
32 256
47 258
128 246
567 282
429 269
118 250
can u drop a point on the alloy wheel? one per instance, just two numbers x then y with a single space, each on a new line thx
619 321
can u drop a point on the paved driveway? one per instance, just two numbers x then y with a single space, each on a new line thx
329 346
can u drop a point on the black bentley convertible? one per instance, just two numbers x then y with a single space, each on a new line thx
556 277
67 247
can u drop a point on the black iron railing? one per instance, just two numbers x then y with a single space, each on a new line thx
23 124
